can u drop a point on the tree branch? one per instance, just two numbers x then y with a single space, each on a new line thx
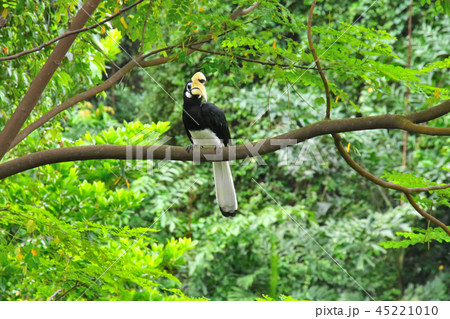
136 61
250 9
426 215
402 123
241 11
191 46
77 284
406 190
407 125
68 33
317 61
54 294
141 50
430 113
252 60
407 92
75 99
96 47
39 83
177 153
361 171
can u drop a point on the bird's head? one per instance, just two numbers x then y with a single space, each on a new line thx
195 88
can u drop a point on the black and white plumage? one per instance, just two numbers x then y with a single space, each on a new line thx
206 125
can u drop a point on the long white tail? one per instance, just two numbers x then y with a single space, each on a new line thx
225 193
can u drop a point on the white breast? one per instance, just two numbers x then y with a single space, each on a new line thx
205 137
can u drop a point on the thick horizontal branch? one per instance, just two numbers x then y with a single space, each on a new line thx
68 33
177 153
430 113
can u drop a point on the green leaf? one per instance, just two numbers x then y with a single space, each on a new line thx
421 237
31 226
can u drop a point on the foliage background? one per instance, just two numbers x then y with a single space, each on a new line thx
152 231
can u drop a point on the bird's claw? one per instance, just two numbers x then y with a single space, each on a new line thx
191 147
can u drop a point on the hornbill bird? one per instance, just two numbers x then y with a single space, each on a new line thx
206 125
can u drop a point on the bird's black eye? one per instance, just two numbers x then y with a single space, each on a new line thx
189 85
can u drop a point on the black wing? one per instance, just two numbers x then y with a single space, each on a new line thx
186 128
215 119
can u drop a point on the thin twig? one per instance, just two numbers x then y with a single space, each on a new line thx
141 50
407 92
425 214
299 95
77 284
268 103
96 47
68 33
428 223
54 294
317 61
253 60
193 46
250 9
289 103
168 48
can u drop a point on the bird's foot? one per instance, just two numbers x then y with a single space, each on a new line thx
218 147
190 148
